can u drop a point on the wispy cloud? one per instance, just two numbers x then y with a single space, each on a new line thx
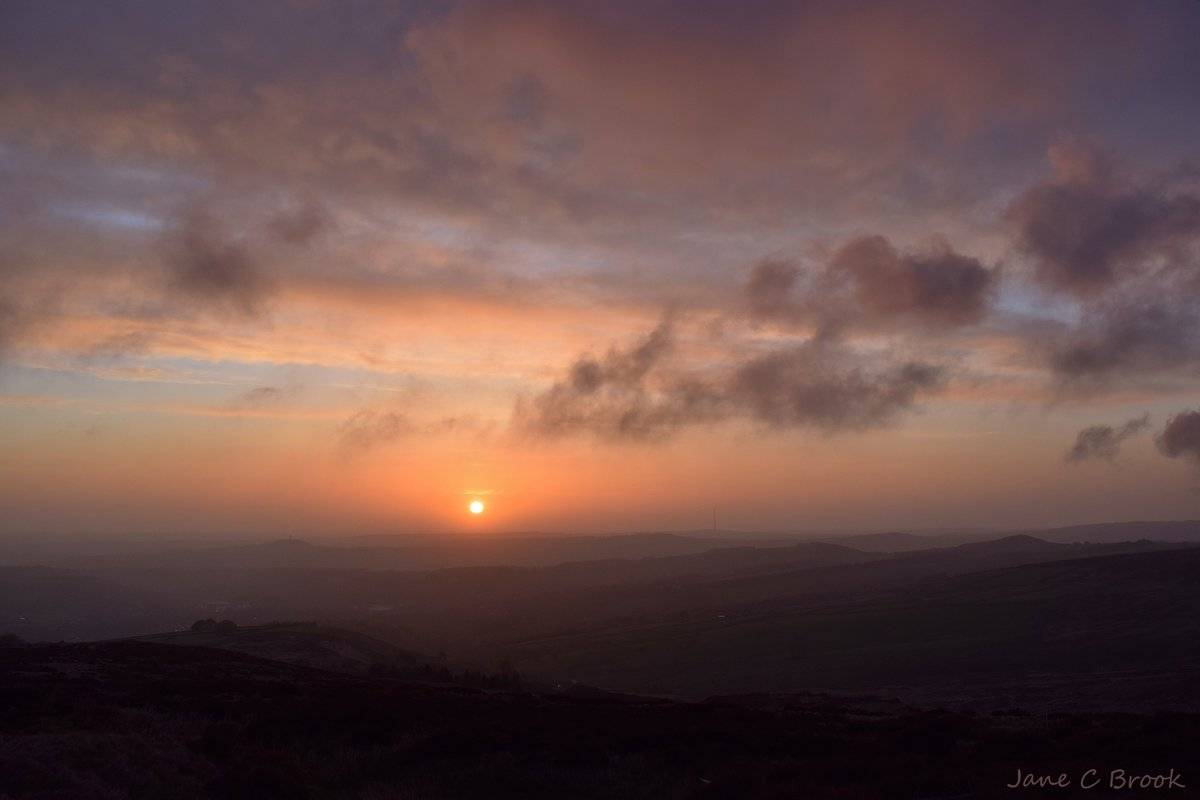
635 394
1103 442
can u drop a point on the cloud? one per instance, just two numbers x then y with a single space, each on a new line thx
516 154
129 343
1180 438
869 283
23 309
370 428
769 286
470 425
825 386
611 399
1104 441
623 368
259 397
209 271
525 109
1125 248
633 395
1088 227
300 222
1129 334
938 287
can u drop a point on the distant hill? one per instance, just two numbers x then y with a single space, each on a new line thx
139 719
423 552
468 610
1101 533
898 542
41 603
728 561
419 553
1023 544
1176 531
1107 631
304 643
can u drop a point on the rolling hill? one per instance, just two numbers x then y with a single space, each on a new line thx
140 719
1101 632
303 643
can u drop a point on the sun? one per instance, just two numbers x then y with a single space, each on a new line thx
475 507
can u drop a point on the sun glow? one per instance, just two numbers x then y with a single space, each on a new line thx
475 507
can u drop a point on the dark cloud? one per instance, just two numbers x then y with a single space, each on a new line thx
769 288
1127 249
1104 441
1088 227
370 428
454 132
300 223
938 287
210 271
263 397
454 103
1181 437
610 397
1126 335
260 395
820 385
868 282
630 412
633 395
623 368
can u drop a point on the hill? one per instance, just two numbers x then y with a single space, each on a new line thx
1120 631
139 719
303 643
1109 532
899 542
55 604
416 553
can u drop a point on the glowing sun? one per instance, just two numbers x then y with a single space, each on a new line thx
475 507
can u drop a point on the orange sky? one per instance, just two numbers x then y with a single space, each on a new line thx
272 268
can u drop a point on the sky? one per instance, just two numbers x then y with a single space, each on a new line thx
305 267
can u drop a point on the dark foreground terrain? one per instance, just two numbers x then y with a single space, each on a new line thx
923 668
149 720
